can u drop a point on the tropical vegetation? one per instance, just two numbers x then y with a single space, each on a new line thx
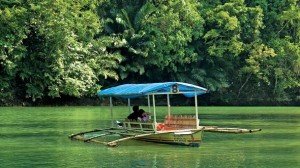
243 51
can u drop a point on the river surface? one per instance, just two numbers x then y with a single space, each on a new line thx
38 137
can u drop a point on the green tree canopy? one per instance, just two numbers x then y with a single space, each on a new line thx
51 48
241 50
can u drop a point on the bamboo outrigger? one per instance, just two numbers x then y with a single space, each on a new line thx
174 129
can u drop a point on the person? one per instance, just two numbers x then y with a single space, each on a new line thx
143 116
135 114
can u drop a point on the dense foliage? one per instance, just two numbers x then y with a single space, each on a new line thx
243 51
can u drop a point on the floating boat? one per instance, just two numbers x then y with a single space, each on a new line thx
174 129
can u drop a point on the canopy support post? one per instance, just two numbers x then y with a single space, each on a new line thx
149 108
196 108
169 106
129 108
111 111
154 112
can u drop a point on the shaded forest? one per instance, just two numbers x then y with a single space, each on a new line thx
246 52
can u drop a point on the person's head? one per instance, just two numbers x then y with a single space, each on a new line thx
141 111
135 108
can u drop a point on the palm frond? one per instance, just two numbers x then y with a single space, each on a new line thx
143 13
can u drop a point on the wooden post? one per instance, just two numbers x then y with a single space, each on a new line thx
169 106
111 112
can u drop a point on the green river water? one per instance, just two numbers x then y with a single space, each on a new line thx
38 137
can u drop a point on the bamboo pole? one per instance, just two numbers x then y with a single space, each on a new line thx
111 112
115 142
129 108
149 105
101 135
97 136
196 108
169 106
154 112
84 132
230 130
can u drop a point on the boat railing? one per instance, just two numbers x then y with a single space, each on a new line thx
139 125
171 122
175 122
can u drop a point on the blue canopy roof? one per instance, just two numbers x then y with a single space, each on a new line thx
138 90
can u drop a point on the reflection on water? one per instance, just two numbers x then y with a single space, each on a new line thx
37 137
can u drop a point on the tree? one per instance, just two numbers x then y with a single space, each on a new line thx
158 32
281 33
12 19
232 29
59 51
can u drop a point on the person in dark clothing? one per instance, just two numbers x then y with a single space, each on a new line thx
135 114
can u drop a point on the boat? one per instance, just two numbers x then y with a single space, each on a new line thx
176 129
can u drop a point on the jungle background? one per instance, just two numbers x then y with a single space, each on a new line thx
58 52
